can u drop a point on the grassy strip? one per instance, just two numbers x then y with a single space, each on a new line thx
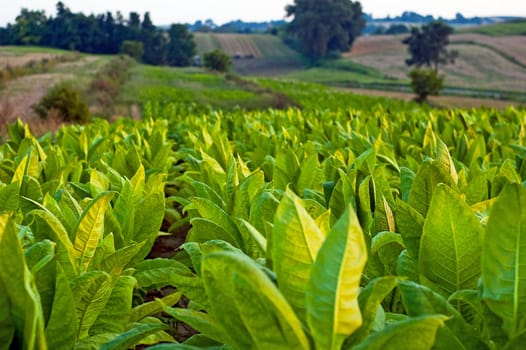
105 87
500 29
34 67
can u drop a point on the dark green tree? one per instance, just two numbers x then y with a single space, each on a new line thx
425 82
324 27
427 46
29 27
217 60
134 49
155 42
181 47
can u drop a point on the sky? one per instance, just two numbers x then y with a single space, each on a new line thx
221 11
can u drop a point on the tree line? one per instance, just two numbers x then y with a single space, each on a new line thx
102 34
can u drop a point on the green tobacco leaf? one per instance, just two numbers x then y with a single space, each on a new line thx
61 328
132 337
202 322
7 327
90 230
158 273
153 307
450 244
370 299
116 313
9 197
22 295
410 224
92 291
296 241
504 259
430 174
415 333
421 301
383 239
210 211
245 300
333 312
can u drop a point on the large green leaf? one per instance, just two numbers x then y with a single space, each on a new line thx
61 327
421 301
90 230
7 327
410 224
296 240
333 312
18 284
116 313
450 244
370 300
92 291
132 337
504 259
430 174
253 311
415 333
200 321
153 307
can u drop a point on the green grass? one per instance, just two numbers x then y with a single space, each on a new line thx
344 72
500 29
22 50
193 86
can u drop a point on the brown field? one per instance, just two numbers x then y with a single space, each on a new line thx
484 62
18 96
16 60
514 46
373 44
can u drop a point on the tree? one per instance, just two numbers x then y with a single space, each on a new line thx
181 48
427 45
425 82
217 60
325 27
134 49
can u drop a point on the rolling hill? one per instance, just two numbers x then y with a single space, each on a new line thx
253 54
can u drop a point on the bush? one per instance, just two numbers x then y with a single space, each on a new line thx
134 49
425 82
65 101
217 60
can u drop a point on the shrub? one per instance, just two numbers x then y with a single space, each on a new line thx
425 82
134 49
217 60
65 101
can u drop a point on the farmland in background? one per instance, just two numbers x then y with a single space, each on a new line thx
378 62
253 54
19 95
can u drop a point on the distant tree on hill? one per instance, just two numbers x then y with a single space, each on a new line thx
181 47
325 27
101 34
427 46
134 49
217 60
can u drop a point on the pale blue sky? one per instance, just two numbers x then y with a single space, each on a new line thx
165 12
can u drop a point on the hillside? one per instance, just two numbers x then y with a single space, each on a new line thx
253 54
486 66
500 29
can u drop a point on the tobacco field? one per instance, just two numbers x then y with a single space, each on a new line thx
356 228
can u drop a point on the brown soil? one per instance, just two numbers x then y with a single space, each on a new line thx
15 60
